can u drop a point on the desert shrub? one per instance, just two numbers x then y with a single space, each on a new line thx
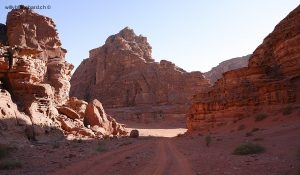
55 145
258 139
238 117
248 148
241 127
125 143
10 165
3 151
101 147
106 137
207 140
287 110
298 154
249 134
260 117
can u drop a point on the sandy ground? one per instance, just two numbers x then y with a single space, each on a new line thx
166 155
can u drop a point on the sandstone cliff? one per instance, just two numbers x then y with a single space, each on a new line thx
271 78
34 81
122 73
235 63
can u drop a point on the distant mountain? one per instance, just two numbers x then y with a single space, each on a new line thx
235 63
122 73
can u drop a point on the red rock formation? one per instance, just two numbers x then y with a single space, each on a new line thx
122 73
3 37
12 122
271 78
235 63
34 71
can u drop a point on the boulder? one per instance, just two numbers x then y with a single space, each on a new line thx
134 133
95 114
70 113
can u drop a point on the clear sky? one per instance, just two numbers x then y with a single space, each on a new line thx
194 34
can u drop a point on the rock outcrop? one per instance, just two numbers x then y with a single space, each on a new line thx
271 78
34 76
235 63
122 73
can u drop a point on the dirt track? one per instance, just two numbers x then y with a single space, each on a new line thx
167 160
161 157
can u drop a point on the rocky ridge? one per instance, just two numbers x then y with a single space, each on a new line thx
125 77
34 84
271 78
235 63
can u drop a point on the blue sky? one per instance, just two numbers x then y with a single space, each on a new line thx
194 34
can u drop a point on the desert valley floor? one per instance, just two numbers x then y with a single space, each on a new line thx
155 152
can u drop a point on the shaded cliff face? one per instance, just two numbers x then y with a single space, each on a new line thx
235 63
122 73
34 81
271 78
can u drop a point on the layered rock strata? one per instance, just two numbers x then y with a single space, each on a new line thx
122 73
34 76
235 63
271 78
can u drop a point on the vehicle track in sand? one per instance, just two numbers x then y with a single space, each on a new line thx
163 159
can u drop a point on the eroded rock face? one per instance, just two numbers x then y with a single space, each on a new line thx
12 122
271 78
3 36
33 70
235 63
122 73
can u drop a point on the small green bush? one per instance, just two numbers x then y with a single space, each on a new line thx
249 134
125 143
10 165
298 154
258 139
101 147
260 117
287 110
241 127
238 117
3 151
55 145
208 140
248 148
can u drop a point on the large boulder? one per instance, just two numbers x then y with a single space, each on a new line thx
94 114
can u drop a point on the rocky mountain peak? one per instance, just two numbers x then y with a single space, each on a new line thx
127 33
26 28
122 73
127 40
